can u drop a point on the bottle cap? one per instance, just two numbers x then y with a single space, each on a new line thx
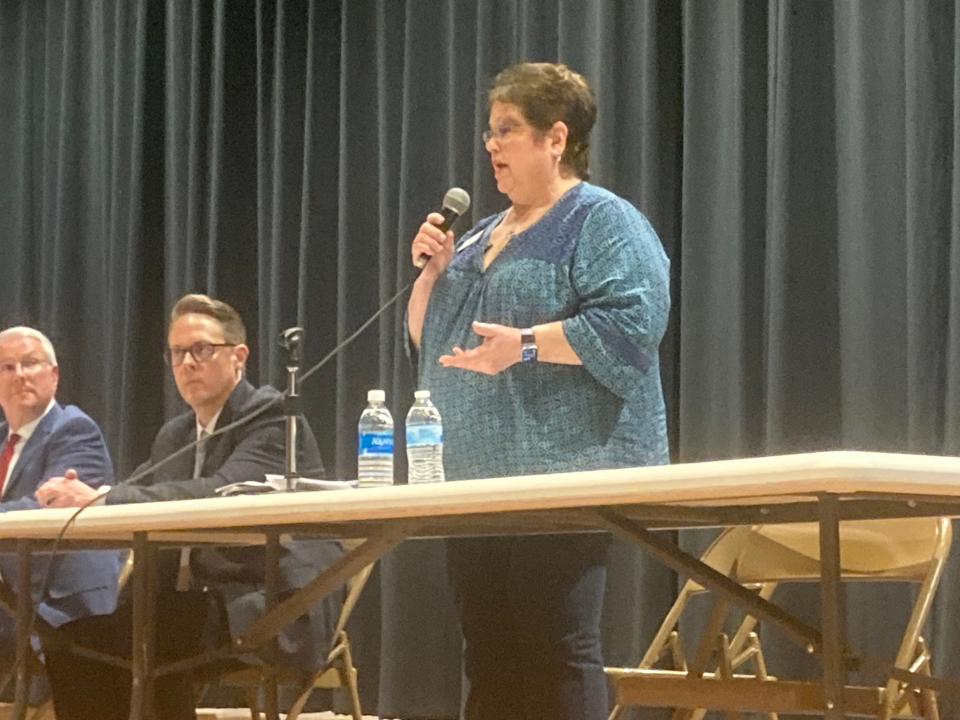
422 394
376 396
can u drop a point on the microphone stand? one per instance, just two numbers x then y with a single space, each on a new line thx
291 340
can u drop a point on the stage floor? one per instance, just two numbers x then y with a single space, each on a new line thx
240 714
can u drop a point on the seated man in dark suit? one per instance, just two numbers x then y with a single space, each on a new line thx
42 439
207 352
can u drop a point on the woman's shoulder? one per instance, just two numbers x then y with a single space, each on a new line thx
612 221
604 209
606 202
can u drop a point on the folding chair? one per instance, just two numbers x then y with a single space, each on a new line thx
43 711
337 672
731 674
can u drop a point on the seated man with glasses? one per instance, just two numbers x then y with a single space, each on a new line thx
42 439
207 352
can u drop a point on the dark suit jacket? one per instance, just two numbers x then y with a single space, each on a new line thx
247 452
82 583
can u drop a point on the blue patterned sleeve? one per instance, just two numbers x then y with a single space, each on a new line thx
622 276
412 351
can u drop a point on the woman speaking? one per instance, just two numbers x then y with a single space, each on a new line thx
538 335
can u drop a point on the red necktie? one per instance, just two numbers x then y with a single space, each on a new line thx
5 457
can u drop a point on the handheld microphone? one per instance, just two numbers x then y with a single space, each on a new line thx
455 203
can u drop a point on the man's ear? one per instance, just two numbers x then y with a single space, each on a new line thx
241 353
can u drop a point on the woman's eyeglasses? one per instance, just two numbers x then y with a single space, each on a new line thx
499 134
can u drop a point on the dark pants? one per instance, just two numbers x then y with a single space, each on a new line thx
39 689
530 610
84 689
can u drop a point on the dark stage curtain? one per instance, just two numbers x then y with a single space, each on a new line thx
798 159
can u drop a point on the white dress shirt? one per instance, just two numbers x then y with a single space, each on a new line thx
24 432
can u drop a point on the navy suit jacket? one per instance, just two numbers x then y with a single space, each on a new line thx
82 583
245 453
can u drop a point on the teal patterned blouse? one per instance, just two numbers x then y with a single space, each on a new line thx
594 262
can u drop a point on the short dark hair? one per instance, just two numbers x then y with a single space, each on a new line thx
546 93
234 330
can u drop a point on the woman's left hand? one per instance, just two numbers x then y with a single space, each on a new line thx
499 350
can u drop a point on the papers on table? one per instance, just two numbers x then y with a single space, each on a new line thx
278 483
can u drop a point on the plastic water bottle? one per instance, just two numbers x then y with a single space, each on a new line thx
375 451
424 441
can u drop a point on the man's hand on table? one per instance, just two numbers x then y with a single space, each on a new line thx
66 491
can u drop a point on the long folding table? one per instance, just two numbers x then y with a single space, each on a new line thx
631 502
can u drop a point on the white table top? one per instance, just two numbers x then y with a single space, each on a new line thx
458 506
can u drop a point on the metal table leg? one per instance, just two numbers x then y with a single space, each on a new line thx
676 559
142 657
271 591
328 581
833 608
24 651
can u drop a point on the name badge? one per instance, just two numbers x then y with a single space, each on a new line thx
469 241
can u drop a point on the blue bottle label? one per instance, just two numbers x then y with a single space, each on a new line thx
425 435
376 443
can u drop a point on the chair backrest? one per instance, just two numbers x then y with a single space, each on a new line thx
897 549
902 549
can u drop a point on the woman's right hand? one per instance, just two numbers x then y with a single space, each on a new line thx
432 249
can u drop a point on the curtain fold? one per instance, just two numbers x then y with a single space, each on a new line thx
801 344
798 159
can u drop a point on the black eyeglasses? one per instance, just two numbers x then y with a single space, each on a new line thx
199 351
